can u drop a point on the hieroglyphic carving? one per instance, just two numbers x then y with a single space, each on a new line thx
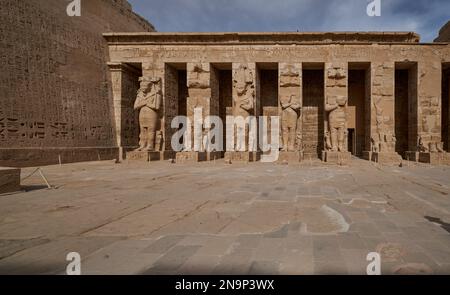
57 94
148 103
429 138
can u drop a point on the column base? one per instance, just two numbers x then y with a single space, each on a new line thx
387 158
9 180
435 158
149 156
367 155
242 156
412 156
290 157
182 157
336 157
212 156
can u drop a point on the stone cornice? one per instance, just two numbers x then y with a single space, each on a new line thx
261 38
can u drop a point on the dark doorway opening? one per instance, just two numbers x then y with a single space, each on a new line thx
358 108
225 77
351 141
406 115
445 105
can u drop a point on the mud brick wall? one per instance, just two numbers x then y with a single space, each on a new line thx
54 81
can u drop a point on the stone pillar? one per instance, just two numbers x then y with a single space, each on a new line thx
448 116
336 114
125 83
290 110
382 117
429 137
170 104
246 105
203 89
413 116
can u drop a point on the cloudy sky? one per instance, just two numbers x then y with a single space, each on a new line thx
423 16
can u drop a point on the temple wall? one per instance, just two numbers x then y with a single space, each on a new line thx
56 100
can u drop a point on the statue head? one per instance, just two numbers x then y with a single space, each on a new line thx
341 101
147 82
243 79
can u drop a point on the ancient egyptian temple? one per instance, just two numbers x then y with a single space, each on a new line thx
378 96
74 89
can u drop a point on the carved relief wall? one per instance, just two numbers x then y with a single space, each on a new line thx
429 106
313 112
383 108
54 83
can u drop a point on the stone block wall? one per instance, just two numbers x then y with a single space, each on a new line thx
54 83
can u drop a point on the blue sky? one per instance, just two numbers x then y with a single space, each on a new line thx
425 17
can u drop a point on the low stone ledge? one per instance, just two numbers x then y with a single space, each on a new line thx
9 180
32 157
340 158
290 157
242 156
435 158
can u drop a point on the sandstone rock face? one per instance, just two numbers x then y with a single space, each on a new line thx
444 34
55 84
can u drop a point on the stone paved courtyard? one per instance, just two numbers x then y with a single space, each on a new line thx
213 218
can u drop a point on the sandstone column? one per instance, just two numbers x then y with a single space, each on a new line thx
382 118
429 137
290 110
203 98
246 108
124 88
335 119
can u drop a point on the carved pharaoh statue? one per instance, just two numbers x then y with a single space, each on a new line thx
337 124
289 117
384 140
148 103
244 99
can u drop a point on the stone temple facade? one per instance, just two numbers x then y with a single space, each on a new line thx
380 96
73 90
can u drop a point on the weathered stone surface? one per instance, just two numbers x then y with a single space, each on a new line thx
386 158
229 219
340 158
435 158
182 157
242 156
9 180
290 157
